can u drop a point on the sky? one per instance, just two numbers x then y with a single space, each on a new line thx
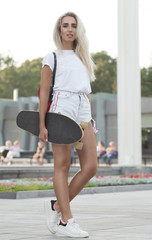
26 27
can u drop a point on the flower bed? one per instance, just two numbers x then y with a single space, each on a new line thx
30 184
122 180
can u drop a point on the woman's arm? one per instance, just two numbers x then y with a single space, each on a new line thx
89 98
46 77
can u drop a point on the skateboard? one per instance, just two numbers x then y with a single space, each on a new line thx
61 129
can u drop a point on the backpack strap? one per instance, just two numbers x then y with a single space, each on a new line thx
53 78
54 69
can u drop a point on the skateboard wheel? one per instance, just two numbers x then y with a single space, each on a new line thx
78 145
84 125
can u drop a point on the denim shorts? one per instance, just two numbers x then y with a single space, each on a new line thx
73 105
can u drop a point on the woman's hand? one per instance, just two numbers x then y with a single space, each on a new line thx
43 135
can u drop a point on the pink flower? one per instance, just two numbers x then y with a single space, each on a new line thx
13 184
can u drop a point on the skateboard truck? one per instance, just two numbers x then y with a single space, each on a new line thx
78 145
84 125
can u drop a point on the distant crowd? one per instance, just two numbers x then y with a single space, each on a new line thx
10 151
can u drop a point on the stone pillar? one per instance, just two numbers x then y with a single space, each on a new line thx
15 94
100 117
129 86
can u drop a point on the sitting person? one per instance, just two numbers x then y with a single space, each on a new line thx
14 152
100 149
40 153
110 153
4 150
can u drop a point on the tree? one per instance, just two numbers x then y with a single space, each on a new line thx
105 73
26 78
146 82
30 75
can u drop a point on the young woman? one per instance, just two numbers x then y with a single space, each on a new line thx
71 98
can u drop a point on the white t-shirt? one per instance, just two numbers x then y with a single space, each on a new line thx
71 73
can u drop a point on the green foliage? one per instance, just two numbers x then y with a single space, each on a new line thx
90 185
26 77
105 73
146 82
32 187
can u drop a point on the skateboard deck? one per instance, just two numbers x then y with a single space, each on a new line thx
61 129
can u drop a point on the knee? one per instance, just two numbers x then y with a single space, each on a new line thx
62 166
91 170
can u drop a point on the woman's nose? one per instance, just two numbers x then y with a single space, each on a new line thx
70 28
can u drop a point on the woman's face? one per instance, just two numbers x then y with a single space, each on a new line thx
68 29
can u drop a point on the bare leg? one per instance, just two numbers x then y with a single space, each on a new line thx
41 159
88 164
62 157
36 156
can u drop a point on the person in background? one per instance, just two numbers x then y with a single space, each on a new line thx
110 153
14 152
100 149
40 153
4 150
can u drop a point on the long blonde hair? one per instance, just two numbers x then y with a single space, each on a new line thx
80 45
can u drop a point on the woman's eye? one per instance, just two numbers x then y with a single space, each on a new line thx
66 25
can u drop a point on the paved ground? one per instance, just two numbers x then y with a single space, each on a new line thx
109 216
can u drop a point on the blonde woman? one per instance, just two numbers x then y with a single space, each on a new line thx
71 97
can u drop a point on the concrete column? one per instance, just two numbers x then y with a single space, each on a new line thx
100 117
24 137
15 94
33 140
129 86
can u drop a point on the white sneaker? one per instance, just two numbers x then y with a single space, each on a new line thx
72 229
52 217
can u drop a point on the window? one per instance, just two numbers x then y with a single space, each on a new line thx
147 140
